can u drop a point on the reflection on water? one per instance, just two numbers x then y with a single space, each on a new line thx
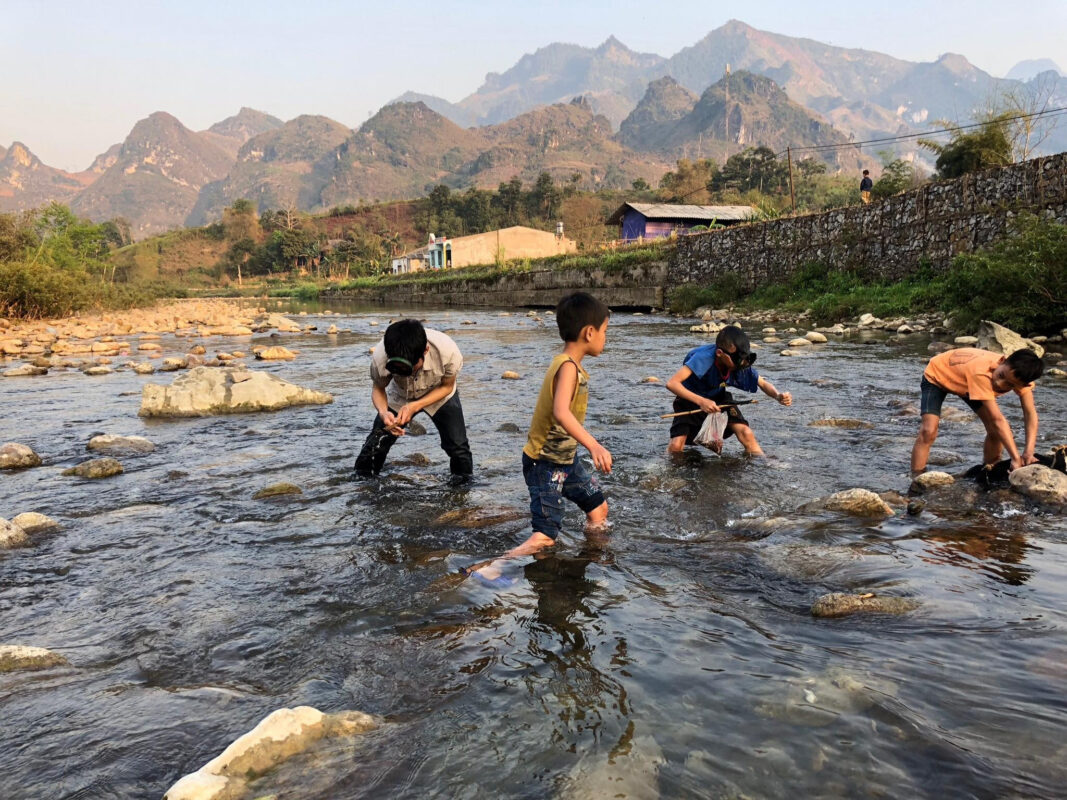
676 659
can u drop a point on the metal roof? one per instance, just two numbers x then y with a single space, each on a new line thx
686 212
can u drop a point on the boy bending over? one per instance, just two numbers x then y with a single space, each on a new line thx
979 377
549 459
702 384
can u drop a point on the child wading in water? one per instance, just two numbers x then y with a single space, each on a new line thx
979 377
701 385
549 459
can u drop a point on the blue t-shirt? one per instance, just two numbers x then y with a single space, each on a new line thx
706 379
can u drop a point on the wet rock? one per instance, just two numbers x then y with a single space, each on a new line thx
97 370
928 480
841 422
915 507
332 330
894 498
18 456
861 502
840 604
907 411
95 468
281 735
943 458
150 347
707 327
32 522
511 375
966 341
788 352
998 339
172 364
771 340
276 490
1055 372
509 427
1040 483
415 428
479 517
819 700
25 371
799 342
663 483
110 443
203 391
12 535
814 337
144 369
197 350
867 319
651 379
939 347
19 657
413 460
905 328
277 353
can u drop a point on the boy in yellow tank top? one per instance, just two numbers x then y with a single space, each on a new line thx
549 459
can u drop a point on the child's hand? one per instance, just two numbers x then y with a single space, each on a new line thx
785 398
601 458
709 406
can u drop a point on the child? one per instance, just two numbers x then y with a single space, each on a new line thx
979 377
701 384
549 463
414 369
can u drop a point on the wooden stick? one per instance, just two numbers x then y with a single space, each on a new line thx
700 410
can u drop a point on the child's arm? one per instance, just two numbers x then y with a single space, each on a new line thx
566 381
994 421
1026 399
785 398
703 403
409 410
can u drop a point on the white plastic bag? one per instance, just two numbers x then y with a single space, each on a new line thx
710 433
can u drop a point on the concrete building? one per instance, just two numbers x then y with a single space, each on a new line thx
656 220
493 247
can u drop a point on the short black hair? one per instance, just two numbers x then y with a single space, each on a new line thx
732 334
406 339
576 311
1026 365
866 172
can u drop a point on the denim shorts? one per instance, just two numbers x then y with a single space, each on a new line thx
549 483
933 396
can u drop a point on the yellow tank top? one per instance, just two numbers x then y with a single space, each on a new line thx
547 440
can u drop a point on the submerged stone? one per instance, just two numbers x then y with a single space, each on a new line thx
842 422
111 443
95 468
276 490
20 657
840 604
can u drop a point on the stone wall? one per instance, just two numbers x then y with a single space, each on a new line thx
887 239
634 287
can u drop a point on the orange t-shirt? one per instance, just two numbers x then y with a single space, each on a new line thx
967 372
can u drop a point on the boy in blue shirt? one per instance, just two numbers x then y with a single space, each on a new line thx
702 384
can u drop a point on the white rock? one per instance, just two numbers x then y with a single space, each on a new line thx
32 522
905 328
799 342
1041 483
788 352
966 341
18 456
866 319
998 339
815 337
12 535
1056 372
203 391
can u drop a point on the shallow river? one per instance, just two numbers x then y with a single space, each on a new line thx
678 660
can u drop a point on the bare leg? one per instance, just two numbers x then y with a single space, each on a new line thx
747 438
920 452
677 444
992 449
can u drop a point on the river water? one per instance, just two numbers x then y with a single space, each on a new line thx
679 659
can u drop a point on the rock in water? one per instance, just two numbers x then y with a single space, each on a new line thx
12 535
840 604
32 522
1040 483
275 354
203 391
999 339
18 456
841 422
276 490
510 375
95 468
110 443
15 657
281 735
861 502
928 480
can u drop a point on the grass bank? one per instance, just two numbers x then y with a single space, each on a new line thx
1021 282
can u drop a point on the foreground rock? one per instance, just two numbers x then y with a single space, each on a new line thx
95 468
18 456
1040 483
203 391
32 522
999 339
12 535
840 604
18 657
110 443
281 735
277 490
861 502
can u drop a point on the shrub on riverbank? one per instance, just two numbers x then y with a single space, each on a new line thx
1020 282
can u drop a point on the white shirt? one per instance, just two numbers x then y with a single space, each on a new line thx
442 360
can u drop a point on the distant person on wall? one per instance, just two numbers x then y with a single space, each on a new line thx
865 187
414 369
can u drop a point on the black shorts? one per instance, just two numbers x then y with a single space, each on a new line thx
932 397
689 425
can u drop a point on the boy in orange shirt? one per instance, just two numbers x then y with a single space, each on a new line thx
979 377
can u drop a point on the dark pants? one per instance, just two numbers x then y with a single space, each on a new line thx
449 423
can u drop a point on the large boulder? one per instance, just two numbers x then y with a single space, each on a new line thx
999 339
1041 483
281 735
12 535
203 391
16 657
18 456
110 443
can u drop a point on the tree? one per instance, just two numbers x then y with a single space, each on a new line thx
545 197
690 181
753 168
897 176
974 150
509 199
640 185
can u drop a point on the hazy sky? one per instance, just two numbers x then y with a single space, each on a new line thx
76 76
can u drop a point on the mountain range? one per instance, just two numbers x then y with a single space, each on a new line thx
607 114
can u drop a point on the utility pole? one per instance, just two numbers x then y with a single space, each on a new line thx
789 160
